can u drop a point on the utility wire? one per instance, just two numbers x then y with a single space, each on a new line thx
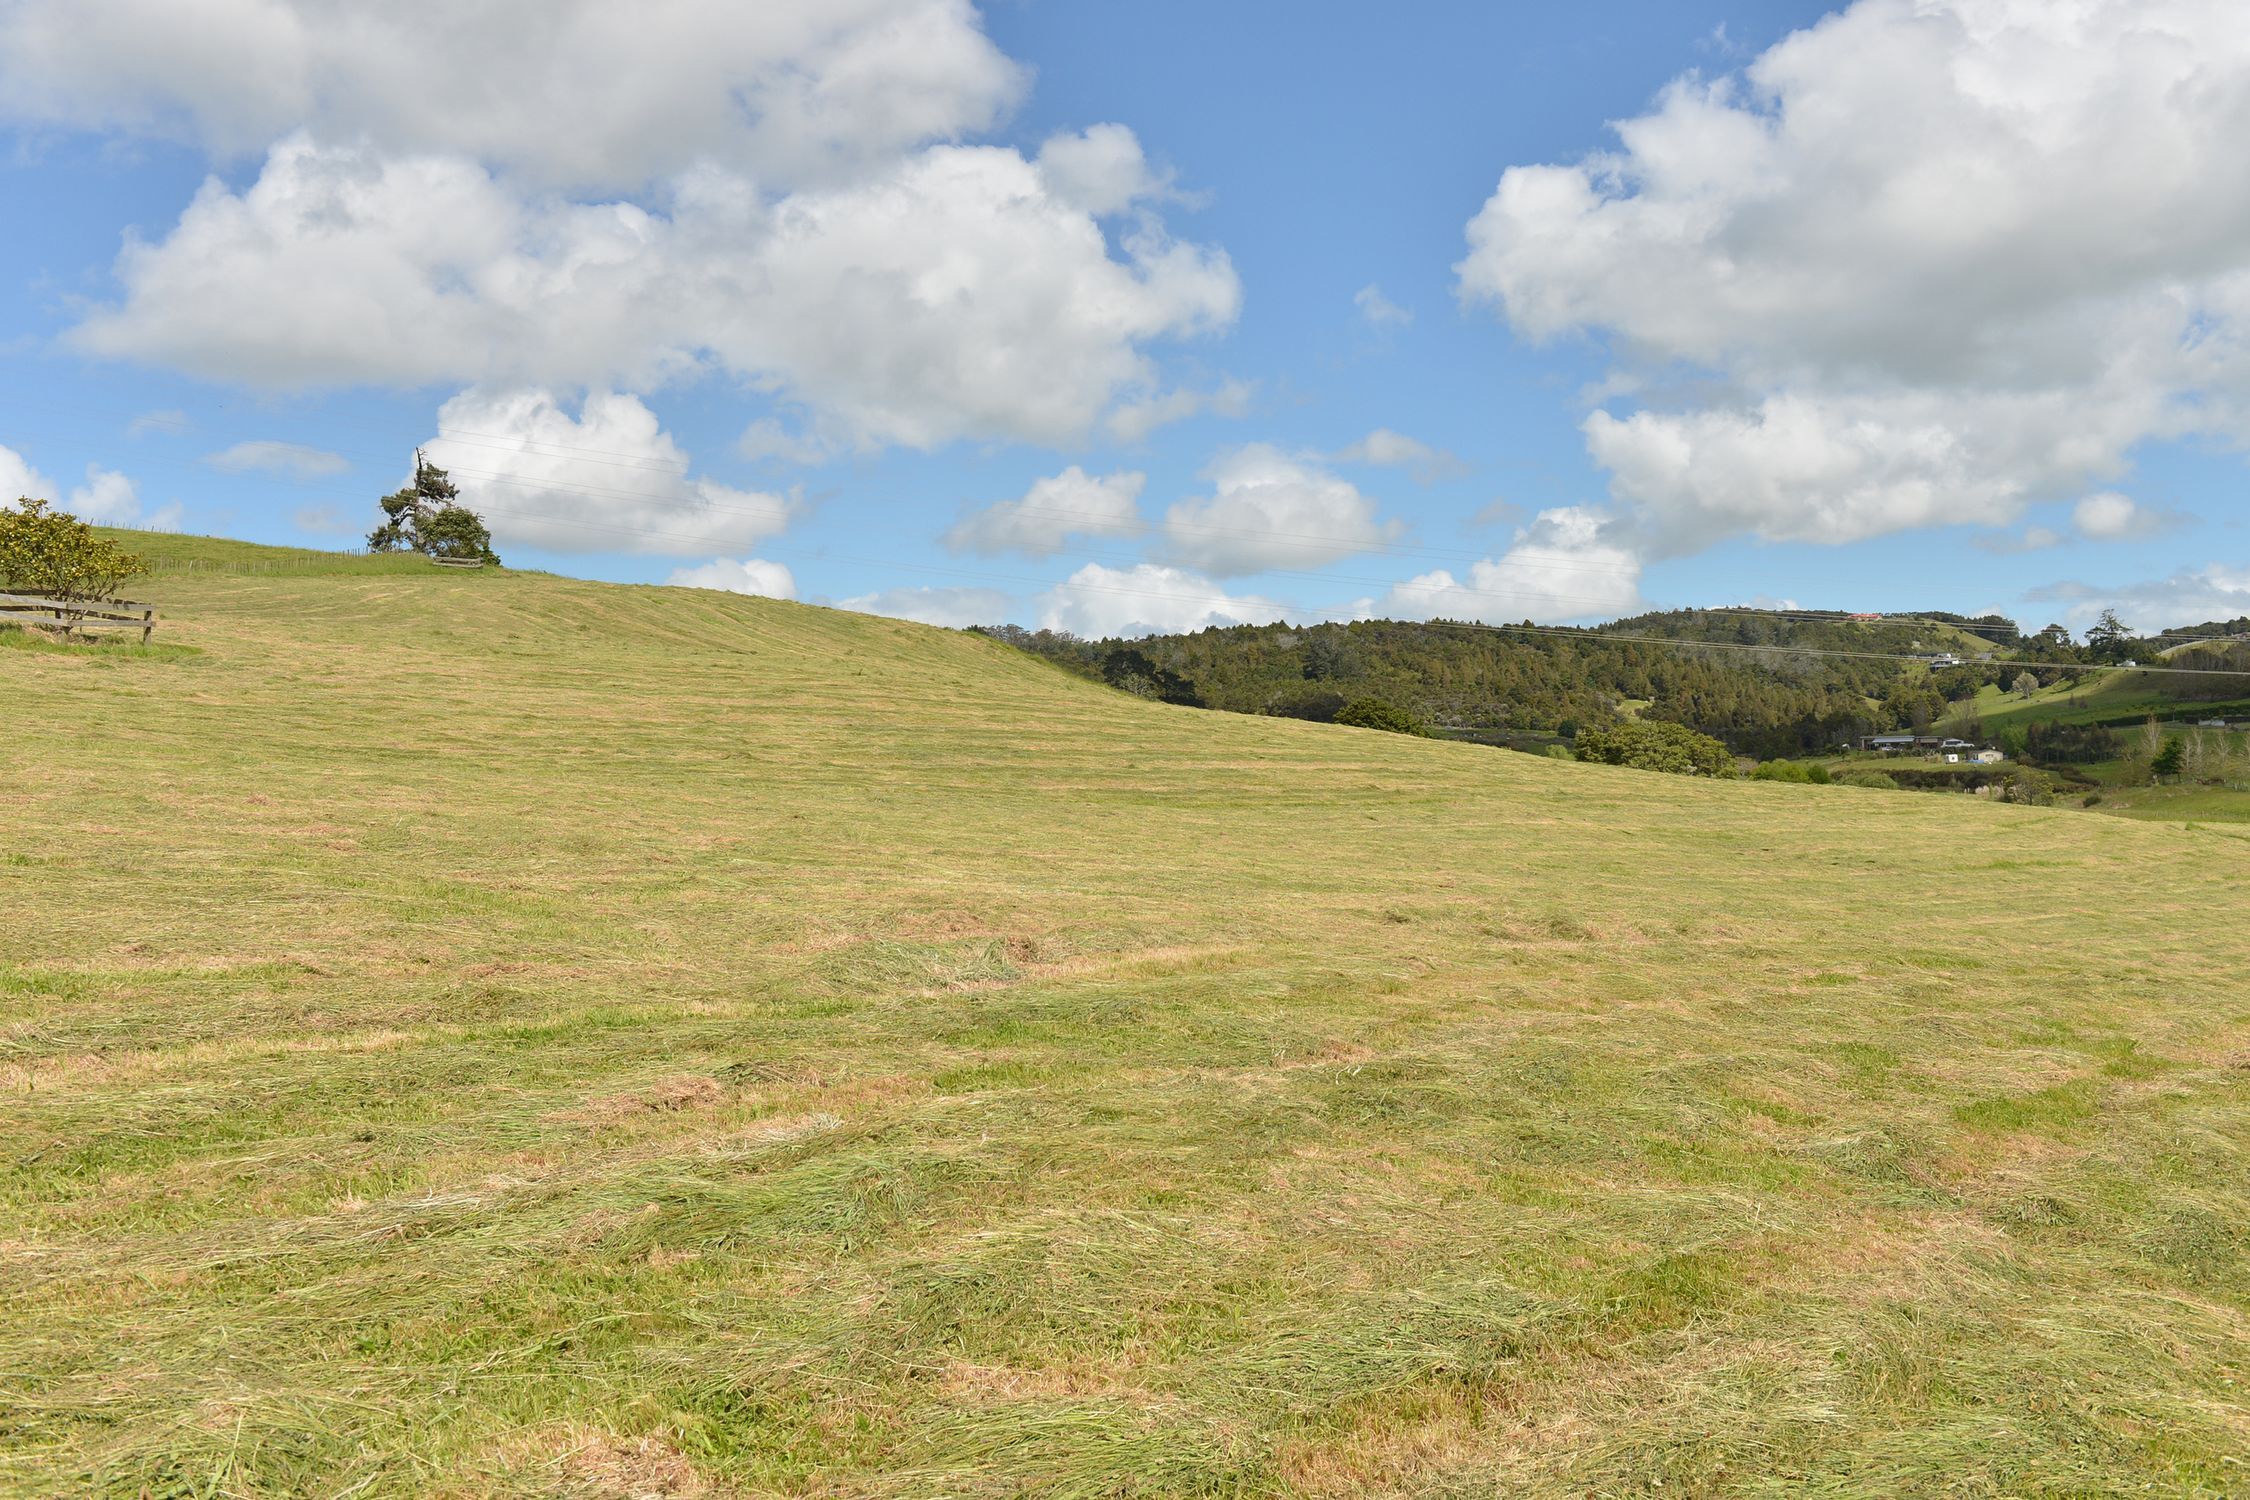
779 514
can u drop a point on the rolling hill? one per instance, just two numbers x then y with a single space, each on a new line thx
492 1034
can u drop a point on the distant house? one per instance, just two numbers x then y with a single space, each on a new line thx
1987 757
2210 723
1913 744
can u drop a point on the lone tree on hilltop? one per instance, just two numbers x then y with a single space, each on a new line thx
428 517
53 553
2110 637
2025 684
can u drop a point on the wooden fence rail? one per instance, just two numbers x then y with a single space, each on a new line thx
50 613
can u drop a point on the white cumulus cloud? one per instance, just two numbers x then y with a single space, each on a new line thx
568 92
953 608
750 575
2214 591
1132 421
1099 169
1384 448
1271 509
1379 310
1055 509
1563 566
607 480
107 498
1923 263
271 456
2107 516
949 295
20 481
1146 599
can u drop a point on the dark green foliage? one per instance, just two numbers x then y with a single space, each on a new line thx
2109 640
427 517
2024 784
1473 683
1374 713
1803 772
47 551
1876 780
1654 745
1131 671
2079 744
2168 760
1329 655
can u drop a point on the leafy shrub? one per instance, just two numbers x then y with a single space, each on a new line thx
1656 745
2091 799
1801 771
45 551
1374 713
1876 780
2078 743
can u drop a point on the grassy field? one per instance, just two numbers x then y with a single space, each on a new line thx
497 1035
2123 700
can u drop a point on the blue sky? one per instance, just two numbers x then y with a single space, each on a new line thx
1233 312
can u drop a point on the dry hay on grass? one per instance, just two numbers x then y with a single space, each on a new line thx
776 1073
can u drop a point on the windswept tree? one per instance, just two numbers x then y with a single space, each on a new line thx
2110 640
428 517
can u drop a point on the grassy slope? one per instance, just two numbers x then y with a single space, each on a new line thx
2119 698
495 1034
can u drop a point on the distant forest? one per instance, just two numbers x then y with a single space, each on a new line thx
1750 689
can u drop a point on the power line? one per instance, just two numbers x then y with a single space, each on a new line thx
778 514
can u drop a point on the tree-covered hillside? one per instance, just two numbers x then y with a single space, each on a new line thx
1768 685
1475 682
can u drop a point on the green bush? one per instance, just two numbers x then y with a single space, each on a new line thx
45 551
1800 771
1878 780
1375 713
1656 745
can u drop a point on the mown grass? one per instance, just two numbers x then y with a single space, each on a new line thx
494 1035
174 555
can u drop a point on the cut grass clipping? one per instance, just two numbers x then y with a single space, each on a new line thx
495 1035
